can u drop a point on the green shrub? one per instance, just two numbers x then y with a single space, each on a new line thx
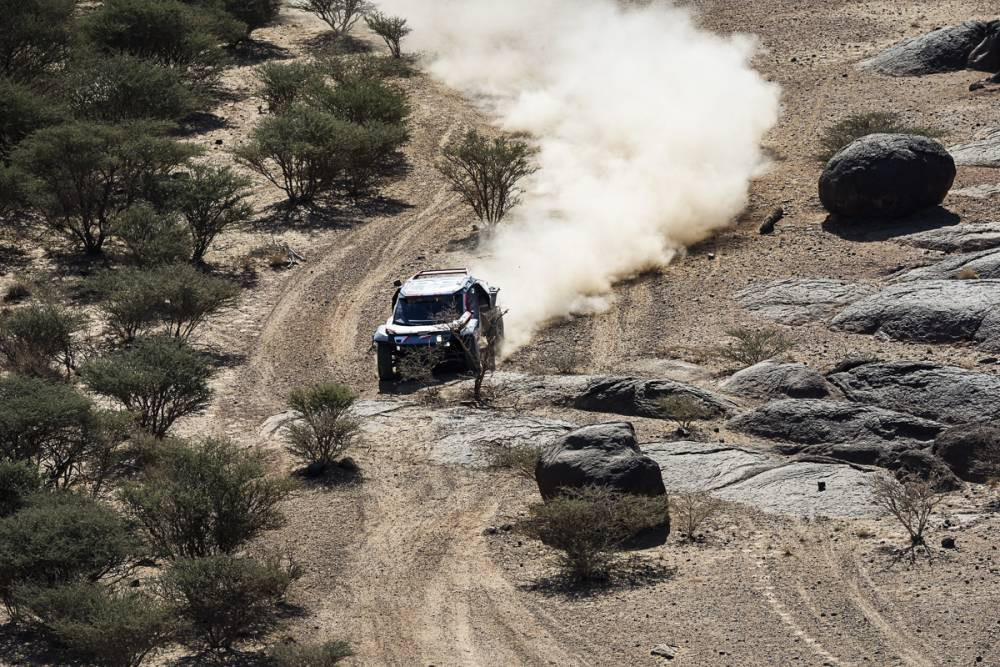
34 37
253 13
206 498
114 628
121 87
362 100
36 337
151 238
158 379
284 84
589 524
343 68
340 15
15 190
752 346
189 297
61 538
326 429
18 481
85 173
211 200
22 111
392 30
326 654
225 598
129 299
371 155
845 132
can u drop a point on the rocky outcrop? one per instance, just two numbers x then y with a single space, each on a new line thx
886 176
946 394
957 238
983 152
975 265
636 397
774 379
944 50
930 311
801 300
601 455
971 451
986 56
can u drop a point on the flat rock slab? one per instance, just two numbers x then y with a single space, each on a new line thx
801 300
774 379
947 394
974 265
984 152
770 482
929 311
957 238
982 191
638 397
943 50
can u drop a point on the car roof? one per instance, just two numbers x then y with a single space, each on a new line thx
432 283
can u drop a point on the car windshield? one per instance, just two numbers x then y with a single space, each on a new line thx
436 309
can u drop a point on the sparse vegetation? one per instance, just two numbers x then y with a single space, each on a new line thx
683 409
842 133
392 30
284 84
38 338
519 458
326 428
486 172
340 15
910 501
589 524
326 654
690 509
151 238
752 346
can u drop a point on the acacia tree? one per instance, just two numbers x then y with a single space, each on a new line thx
392 30
910 501
340 15
486 172
211 200
34 37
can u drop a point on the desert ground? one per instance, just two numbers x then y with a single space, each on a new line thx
413 563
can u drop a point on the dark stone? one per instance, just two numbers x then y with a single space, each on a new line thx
924 464
947 542
946 49
774 379
886 176
635 397
971 451
986 56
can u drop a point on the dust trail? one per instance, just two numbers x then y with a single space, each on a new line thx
648 128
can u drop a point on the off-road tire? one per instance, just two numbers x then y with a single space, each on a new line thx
386 367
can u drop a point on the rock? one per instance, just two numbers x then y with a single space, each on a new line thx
813 421
773 379
947 394
636 397
957 238
886 176
801 300
947 542
930 311
984 152
986 56
922 463
970 266
943 50
664 651
275 425
981 191
602 454
971 451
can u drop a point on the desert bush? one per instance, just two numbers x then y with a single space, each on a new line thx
152 238
206 498
114 628
340 15
18 481
587 525
343 68
129 299
211 200
85 173
253 13
18 291
15 191
370 156
519 458
284 84
910 501
362 100
326 654
189 297
224 597
158 379
37 337
61 538
843 133
392 30
121 87
683 409
34 37
752 346
486 172
326 429
691 509
22 111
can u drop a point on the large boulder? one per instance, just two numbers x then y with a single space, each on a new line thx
637 397
986 56
929 311
946 394
886 175
957 238
982 264
971 451
775 379
946 49
984 151
801 300
603 455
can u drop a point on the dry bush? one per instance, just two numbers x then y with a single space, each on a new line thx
683 409
17 291
519 458
418 364
327 428
340 15
392 30
839 135
326 654
752 346
911 501
691 508
967 273
565 361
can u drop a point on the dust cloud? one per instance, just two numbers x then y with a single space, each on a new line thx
648 130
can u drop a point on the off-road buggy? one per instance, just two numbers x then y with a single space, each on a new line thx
446 310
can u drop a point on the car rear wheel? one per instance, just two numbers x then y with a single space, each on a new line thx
386 363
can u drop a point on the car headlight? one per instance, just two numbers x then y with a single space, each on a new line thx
440 338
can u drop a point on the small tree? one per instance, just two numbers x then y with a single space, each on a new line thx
480 361
362 100
340 15
35 36
326 654
151 238
206 498
189 297
284 84
36 337
752 346
114 628
211 200
911 501
392 30
691 509
327 429
18 481
486 172
129 299
158 379
254 13
683 409
589 524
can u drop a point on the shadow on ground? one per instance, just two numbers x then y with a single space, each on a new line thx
624 574
853 229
